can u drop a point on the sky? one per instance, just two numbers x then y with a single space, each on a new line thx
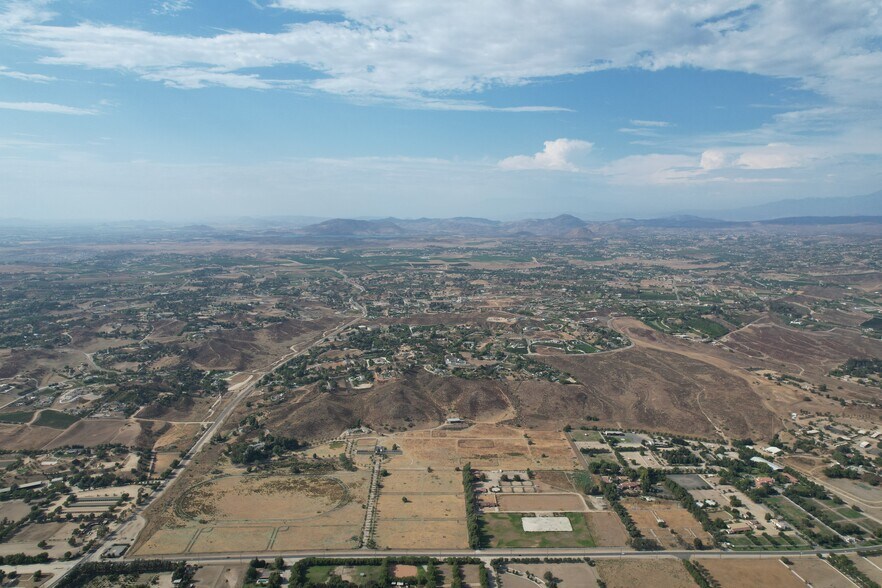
204 109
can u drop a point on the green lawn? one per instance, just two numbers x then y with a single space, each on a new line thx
586 436
55 419
16 417
506 530
849 513
321 574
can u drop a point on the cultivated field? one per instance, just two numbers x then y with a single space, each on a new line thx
541 503
681 527
658 573
264 513
819 573
569 575
749 573
490 447
419 508
606 529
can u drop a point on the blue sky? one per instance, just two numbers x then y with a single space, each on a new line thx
176 109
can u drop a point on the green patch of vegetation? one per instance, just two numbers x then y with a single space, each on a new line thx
16 417
55 419
706 327
874 323
507 530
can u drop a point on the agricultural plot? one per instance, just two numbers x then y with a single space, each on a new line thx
818 573
606 529
749 573
541 503
486 447
569 575
418 508
646 460
871 566
265 513
658 573
667 522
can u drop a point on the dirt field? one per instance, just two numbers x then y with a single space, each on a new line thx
16 437
426 507
163 461
569 575
92 432
541 503
273 513
749 573
14 510
647 514
658 573
485 447
177 438
871 566
606 529
420 481
275 498
422 534
819 573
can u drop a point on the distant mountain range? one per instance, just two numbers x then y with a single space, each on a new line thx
866 205
564 226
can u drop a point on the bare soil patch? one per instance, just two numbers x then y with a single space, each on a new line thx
658 573
749 573
606 528
676 518
819 573
420 534
92 432
252 498
541 502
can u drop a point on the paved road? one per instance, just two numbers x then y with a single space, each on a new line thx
596 552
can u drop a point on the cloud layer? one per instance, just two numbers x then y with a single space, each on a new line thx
553 157
421 52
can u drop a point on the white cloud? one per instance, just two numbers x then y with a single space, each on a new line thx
45 107
172 7
26 77
650 123
772 156
714 159
416 52
553 157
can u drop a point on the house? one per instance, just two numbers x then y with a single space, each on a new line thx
763 481
772 450
739 527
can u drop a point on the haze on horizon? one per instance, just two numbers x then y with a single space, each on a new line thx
172 109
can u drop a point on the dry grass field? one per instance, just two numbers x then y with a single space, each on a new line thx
541 502
422 534
749 573
419 508
92 432
569 575
681 527
606 529
268 513
819 573
485 446
658 573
